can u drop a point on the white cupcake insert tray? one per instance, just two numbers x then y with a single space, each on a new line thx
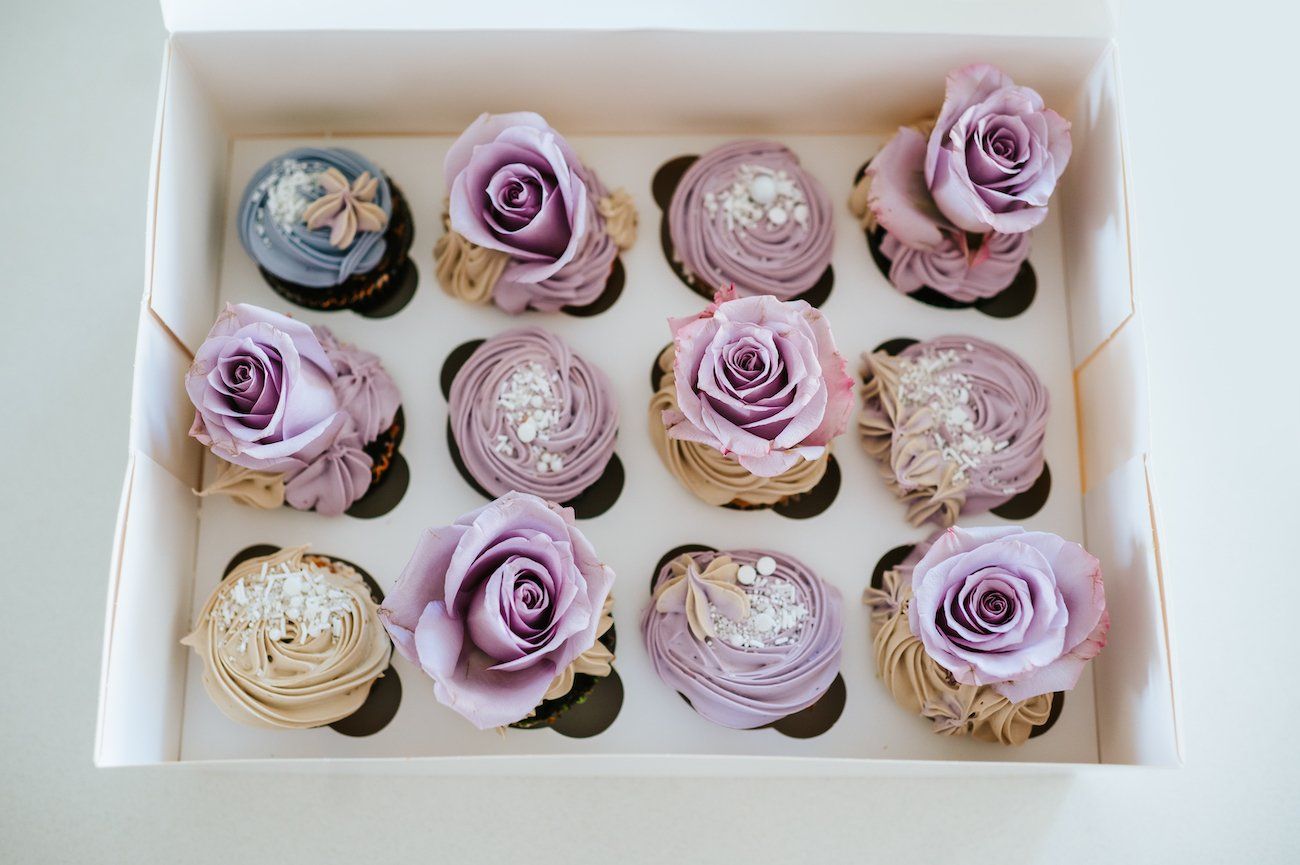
1081 335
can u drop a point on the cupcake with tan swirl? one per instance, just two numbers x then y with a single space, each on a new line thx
752 393
290 641
957 425
529 226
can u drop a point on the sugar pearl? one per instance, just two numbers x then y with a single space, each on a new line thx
777 216
746 574
762 189
766 565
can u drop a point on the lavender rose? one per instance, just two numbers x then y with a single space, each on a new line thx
995 153
263 389
495 606
1021 611
516 188
760 379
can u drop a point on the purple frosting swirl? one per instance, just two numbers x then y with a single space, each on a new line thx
950 269
747 687
529 414
728 228
1006 404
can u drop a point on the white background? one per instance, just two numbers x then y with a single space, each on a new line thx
1212 122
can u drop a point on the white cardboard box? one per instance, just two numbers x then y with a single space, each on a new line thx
628 100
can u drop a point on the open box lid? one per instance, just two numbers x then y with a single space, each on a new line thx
1084 18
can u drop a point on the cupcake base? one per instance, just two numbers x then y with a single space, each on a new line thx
389 475
382 291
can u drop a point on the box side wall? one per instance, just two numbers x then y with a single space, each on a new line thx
613 82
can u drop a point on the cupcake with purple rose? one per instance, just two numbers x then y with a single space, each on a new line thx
529 226
982 630
508 611
748 637
748 399
957 425
949 204
747 214
295 416
327 229
527 413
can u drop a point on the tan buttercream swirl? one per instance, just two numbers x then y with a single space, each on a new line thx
903 447
247 486
596 661
281 682
619 212
466 270
696 593
712 476
921 685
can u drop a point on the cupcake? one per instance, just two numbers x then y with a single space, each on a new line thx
748 215
508 611
957 425
290 641
949 204
980 631
529 226
752 394
528 414
327 228
296 416
748 637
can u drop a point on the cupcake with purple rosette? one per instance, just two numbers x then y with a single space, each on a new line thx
982 630
295 416
747 214
948 205
527 413
508 611
748 637
329 230
529 226
957 425
751 394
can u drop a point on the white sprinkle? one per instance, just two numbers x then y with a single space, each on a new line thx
776 617
746 575
757 194
766 565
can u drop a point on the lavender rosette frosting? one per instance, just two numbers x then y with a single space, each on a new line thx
273 230
748 214
291 404
747 645
951 269
529 414
957 423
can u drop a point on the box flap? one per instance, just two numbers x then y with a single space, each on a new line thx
1011 18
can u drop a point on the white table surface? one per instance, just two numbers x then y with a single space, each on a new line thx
1212 117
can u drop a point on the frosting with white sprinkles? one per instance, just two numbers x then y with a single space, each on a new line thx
748 637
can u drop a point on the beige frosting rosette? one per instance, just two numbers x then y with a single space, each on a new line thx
290 641
920 685
711 475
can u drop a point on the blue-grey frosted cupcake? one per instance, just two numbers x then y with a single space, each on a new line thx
327 228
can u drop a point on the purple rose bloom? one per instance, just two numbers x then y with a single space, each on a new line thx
1021 611
995 153
263 389
761 379
515 187
496 605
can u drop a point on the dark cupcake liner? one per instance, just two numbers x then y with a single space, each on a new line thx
380 292
589 707
385 694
